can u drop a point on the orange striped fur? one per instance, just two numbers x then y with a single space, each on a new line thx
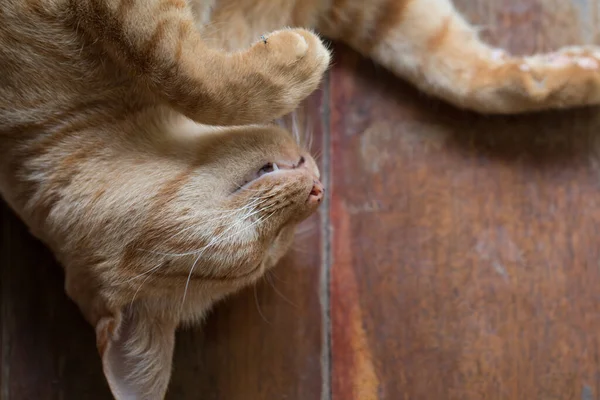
110 150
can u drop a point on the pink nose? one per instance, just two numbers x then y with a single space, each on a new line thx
316 194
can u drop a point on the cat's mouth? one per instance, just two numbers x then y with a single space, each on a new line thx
317 192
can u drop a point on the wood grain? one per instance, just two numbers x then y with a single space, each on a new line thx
48 350
465 248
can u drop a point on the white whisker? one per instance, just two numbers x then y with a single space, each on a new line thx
245 216
139 287
267 278
143 273
215 241
189 278
295 127
302 250
258 307
226 230
222 215
305 228
277 277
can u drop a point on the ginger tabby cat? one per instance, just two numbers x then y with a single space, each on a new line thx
108 154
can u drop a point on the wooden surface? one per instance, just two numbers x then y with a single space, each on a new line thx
457 257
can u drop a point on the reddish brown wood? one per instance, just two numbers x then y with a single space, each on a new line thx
465 248
50 349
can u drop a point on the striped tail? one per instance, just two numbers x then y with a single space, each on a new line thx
428 43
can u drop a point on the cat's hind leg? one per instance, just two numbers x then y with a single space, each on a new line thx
159 42
428 43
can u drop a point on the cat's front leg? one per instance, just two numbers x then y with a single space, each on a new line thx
256 85
159 41
283 68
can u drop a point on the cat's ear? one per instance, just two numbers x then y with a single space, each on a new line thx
137 350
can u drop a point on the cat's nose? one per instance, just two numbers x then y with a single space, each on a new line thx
317 192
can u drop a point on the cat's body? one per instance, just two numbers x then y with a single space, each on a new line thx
100 157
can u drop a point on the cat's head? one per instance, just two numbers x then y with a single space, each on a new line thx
230 213
226 213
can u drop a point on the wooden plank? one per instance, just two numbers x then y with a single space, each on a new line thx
263 344
4 370
465 248
51 352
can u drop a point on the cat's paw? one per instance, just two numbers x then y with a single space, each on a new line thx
568 77
290 64
297 47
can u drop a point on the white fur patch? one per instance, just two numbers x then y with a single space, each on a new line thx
587 63
524 67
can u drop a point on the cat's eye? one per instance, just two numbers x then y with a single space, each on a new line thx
268 167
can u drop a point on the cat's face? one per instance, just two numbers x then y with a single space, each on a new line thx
228 217
255 202
224 216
